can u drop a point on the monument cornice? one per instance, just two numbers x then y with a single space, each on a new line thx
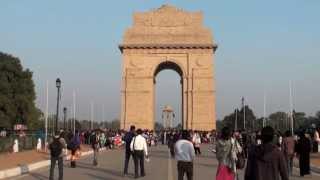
168 46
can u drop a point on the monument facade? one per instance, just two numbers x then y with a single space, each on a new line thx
168 38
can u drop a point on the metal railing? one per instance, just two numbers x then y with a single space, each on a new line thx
26 142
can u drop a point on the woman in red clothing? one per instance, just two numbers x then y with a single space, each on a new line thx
226 168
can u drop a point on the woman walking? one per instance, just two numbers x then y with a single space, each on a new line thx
226 156
303 149
74 146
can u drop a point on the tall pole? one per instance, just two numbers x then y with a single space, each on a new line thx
92 109
264 109
64 118
74 112
163 122
104 125
244 113
70 119
171 120
58 85
46 116
291 107
236 120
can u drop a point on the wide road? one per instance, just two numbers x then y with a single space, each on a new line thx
160 167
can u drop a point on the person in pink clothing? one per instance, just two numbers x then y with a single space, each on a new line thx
226 166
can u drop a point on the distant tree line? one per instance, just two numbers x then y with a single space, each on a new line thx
278 120
81 124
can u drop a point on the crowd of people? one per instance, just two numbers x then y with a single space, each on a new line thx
265 154
269 154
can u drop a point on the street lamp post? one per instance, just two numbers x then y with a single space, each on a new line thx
58 85
236 120
64 118
244 113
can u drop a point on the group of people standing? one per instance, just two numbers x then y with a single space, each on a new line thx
64 141
263 156
268 156
183 147
135 147
59 147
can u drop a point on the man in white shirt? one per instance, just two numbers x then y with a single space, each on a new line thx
317 138
139 148
196 139
184 154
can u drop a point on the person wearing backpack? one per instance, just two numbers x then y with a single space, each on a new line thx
56 152
74 146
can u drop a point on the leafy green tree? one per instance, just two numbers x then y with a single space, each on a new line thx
115 124
318 115
158 126
179 126
279 121
17 94
298 119
220 124
259 123
248 114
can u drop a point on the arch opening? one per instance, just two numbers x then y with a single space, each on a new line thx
168 93
168 65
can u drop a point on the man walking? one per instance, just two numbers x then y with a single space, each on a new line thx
95 146
127 139
266 161
56 147
288 147
184 154
196 139
139 147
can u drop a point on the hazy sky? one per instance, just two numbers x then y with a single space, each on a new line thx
262 45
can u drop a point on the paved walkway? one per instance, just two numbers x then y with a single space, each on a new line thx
13 160
315 159
161 167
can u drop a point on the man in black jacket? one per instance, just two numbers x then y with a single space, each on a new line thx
127 139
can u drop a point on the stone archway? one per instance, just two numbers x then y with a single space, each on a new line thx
175 67
157 41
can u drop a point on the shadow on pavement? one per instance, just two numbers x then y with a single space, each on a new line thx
159 156
93 176
107 171
38 176
207 165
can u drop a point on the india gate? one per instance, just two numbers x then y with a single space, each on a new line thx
168 38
